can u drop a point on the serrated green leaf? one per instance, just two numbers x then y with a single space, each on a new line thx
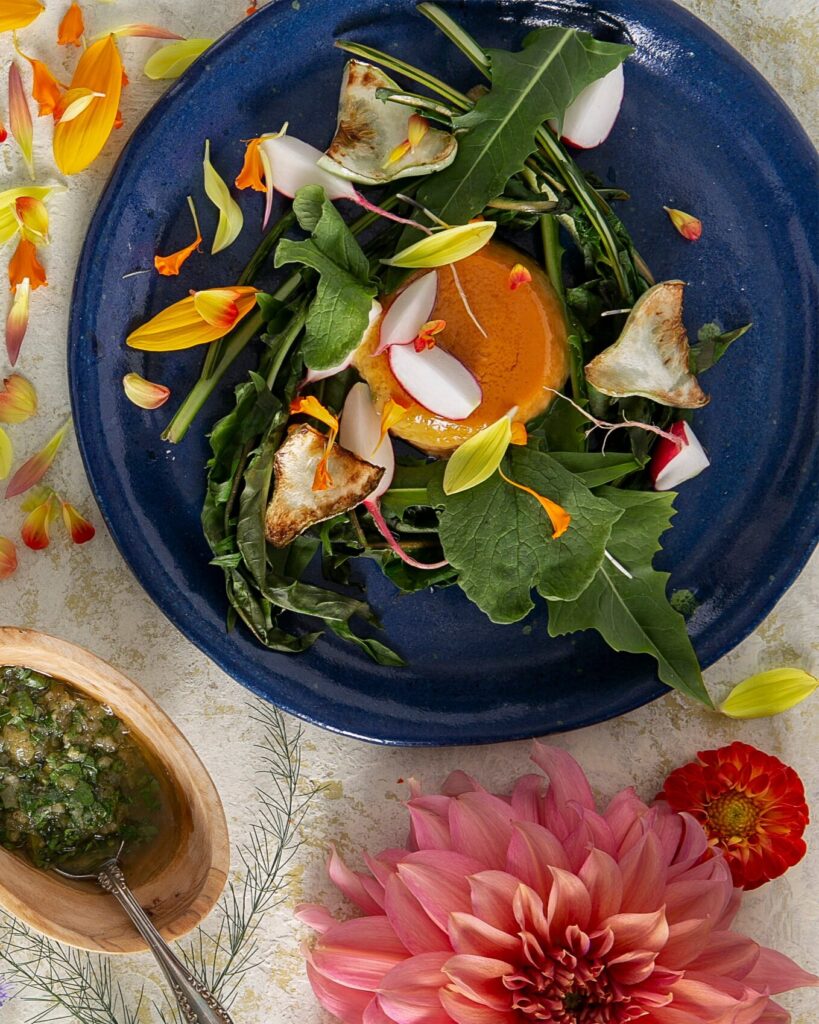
634 614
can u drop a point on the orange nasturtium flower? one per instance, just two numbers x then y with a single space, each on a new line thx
8 558
72 27
395 409
169 266
19 13
78 142
18 400
24 264
198 319
311 406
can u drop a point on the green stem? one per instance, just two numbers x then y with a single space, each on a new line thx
453 31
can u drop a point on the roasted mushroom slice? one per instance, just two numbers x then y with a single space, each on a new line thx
371 141
650 358
295 505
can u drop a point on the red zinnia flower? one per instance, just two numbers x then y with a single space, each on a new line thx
751 805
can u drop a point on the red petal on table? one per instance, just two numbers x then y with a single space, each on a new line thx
79 528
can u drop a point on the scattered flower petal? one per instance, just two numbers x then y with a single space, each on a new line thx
689 226
20 122
3 133
16 14
518 275
32 216
45 90
446 246
769 693
24 266
252 172
6 454
72 27
34 469
141 30
80 530
311 406
74 102
558 516
78 142
18 400
393 412
173 59
144 393
426 336
183 325
8 564
9 224
478 457
398 153
17 320
169 266
36 529
230 213
520 435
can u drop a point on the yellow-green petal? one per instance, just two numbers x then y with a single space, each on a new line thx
230 214
478 458
769 693
172 60
6 454
445 247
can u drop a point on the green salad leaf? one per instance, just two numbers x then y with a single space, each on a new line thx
634 615
500 539
712 345
529 87
340 311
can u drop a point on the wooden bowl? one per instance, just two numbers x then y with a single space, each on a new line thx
181 878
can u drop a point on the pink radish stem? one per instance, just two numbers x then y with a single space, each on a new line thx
372 208
383 528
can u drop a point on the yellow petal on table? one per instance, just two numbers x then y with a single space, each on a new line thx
142 31
80 530
8 558
478 457
22 127
230 213
6 454
78 143
444 247
689 226
173 59
19 13
34 469
18 400
74 102
144 393
769 693
32 217
17 320
9 224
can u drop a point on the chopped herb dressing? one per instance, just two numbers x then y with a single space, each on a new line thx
73 782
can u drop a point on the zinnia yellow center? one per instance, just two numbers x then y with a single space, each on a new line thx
733 816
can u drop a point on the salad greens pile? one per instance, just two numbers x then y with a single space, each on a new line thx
510 167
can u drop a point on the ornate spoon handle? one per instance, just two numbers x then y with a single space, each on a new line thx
197 1004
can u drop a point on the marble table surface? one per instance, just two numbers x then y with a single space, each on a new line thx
89 596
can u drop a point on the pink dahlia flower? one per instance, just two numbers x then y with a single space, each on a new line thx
540 908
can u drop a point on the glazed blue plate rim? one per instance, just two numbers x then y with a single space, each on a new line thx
164 597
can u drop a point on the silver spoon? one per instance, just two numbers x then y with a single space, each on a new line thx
196 1003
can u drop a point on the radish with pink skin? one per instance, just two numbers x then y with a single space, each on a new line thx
359 433
671 464
409 312
588 120
436 380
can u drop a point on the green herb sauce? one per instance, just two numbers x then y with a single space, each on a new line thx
73 783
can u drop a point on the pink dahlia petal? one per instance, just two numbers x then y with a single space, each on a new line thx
353 885
686 941
430 831
644 874
373 1014
700 1000
696 899
492 894
774 972
569 903
530 915
479 824
465 1011
603 879
527 798
358 953
459 782
469 934
774 1014
623 810
480 979
637 931
438 881
724 953
631 969
348 1004
591 830
566 779
318 918
532 851
409 920
385 865
409 993
731 909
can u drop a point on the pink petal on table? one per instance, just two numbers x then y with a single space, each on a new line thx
351 884
358 953
348 1004
413 926
774 973
314 916
566 777
480 826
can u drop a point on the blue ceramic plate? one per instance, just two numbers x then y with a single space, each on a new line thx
700 130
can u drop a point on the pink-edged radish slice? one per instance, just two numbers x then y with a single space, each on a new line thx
436 380
360 431
314 375
672 465
590 118
409 312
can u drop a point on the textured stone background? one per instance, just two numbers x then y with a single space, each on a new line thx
90 597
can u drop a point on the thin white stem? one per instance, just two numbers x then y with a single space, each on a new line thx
680 442
618 565
465 301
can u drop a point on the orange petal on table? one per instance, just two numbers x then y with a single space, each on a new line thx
34 469
72 27
559 517
183 326
18 400
393 412
518 276
80 530
169 266
689 226
8 558
22 127
24 264
78 142
32 216
417 128
36 528
311 406
19 13
144 393
73 102
143 31
6 454
519 434
252 172
17 320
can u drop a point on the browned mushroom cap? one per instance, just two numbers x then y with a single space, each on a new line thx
650 358
295 505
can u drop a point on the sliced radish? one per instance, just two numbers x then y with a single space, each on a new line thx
409 312
313 375
590 118
672 465
360 431
436 380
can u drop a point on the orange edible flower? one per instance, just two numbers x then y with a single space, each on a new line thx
426 336
8 558
72 27
24 264
78 142
393 412
558 516
17 320
34 469
169 266
197 319
18 400
45 89
144 393
252 172
311 406
518 276
80 530
254 6
687 224
519 434
16 14
36 528
32 216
